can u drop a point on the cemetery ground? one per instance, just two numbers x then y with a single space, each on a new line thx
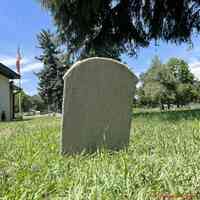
162 159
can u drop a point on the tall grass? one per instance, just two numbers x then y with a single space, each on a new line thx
163 158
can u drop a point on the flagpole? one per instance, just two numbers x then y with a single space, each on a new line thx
20 104
18 63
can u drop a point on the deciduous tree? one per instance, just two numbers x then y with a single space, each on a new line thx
170 83
184 81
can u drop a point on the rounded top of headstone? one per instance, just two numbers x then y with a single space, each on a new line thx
99 59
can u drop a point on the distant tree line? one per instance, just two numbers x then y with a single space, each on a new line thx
30 103
164 84
167 84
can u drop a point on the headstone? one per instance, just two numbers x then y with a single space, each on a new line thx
97 107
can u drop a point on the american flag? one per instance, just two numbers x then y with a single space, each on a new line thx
18 61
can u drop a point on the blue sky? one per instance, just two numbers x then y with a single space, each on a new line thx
21 21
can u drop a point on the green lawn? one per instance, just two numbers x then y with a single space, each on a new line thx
163 159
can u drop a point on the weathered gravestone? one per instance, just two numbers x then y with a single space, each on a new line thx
98 94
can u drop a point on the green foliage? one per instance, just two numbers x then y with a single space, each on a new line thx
170 83
184 89
38 104
104 26
29 102
156 83
180 70
162 158
51 76
25 102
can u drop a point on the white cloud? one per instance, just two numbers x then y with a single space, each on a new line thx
11 61
195 64
27 64
8 61
195 68
33 67
137 74
25 81
32 92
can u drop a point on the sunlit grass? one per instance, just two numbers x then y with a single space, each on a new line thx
163 158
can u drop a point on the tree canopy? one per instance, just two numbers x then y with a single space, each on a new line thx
118 26
170 83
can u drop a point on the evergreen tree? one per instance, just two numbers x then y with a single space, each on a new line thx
51 76
102 26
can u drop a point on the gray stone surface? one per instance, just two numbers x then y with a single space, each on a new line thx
98 95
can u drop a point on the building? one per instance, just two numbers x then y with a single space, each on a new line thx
7 92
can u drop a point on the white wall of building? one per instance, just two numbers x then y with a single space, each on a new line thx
5 96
